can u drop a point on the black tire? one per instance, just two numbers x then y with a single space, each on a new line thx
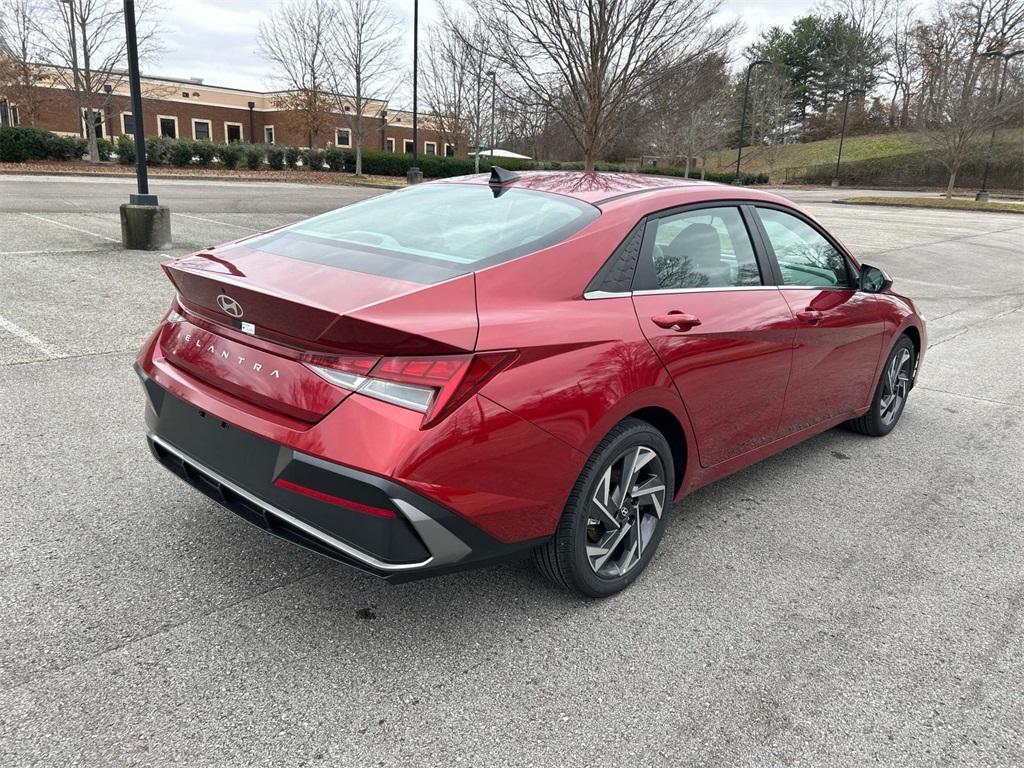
882 417
565 559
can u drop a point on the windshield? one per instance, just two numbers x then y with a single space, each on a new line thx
433 232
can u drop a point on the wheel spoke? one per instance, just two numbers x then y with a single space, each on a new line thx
601 498
653 488
640 458
607 547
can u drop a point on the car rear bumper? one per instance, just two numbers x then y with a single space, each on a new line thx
357 518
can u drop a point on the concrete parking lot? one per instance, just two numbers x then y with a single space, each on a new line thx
852 601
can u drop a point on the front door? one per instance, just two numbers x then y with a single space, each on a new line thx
724 336
839 328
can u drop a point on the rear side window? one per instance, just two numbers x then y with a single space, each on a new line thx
432 232
705 248
805 257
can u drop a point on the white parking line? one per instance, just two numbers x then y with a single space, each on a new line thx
50 252
219 223
27 337
68 226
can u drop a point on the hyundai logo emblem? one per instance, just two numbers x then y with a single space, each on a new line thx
229 305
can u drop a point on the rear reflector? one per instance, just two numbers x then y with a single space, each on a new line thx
337 500
434 386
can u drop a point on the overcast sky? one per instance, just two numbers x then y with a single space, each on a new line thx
216 39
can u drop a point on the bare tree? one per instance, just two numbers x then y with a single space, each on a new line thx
585 60
900 67
961 78
297 40
84 40
20 73
451 78
362 73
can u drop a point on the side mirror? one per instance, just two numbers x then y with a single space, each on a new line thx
874 280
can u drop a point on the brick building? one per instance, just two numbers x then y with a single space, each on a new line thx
188 108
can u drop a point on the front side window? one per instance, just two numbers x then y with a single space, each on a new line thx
433 232
705 248
804 255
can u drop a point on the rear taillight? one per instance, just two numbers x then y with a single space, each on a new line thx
434 386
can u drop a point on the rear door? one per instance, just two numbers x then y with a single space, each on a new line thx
725 334
839 328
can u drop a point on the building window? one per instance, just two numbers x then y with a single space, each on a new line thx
449 150
97 121
343 137
168 126
390 143
408 146
12 114
268 134
232 132
430 147
127 123
202 130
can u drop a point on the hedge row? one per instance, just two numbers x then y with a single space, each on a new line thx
22 143
1006 171
19 144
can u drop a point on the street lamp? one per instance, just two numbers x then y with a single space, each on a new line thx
415 175
842 132
743 116
493 82
252 126
145 224
4 118
109 90
75 76
983 195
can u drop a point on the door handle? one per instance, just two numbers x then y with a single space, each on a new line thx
809 316
676 321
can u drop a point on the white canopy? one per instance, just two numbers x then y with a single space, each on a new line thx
501 153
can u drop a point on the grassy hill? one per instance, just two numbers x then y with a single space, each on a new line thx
856 148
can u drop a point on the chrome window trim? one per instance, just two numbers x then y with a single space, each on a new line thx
660 291
418 521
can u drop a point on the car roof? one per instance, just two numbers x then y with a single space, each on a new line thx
597 188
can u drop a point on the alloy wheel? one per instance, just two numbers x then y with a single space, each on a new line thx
895 386
625 511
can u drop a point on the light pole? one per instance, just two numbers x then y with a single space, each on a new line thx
743 116
252 124
75 76
842 132
983 195
145 224
4 118
493 89
109 90
415 175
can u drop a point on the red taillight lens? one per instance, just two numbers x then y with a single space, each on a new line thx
434 386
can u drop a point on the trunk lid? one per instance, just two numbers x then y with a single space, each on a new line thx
322 308
254 318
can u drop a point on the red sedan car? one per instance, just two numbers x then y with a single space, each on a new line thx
471 369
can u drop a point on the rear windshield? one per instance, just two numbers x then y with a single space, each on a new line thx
433 232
